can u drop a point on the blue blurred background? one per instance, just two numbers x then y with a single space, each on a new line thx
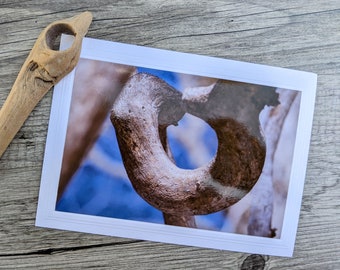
101 187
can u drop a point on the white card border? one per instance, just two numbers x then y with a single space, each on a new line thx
190 64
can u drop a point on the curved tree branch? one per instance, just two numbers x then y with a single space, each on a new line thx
145 103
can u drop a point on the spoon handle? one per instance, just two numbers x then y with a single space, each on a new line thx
43 68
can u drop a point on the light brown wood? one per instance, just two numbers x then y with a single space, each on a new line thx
294 34
43 68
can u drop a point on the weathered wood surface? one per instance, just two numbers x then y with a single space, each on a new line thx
300 34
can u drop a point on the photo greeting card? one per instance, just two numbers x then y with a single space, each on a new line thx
177 148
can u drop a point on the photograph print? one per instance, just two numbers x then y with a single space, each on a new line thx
177 148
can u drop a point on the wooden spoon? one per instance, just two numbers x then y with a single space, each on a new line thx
43 68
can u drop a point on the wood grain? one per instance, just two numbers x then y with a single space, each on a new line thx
295 34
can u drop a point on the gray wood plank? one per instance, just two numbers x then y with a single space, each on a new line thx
295 34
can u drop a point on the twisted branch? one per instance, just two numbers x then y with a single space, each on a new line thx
147 103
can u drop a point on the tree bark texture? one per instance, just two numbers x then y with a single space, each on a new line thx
146 103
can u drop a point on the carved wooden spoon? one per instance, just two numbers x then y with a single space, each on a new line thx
43 68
